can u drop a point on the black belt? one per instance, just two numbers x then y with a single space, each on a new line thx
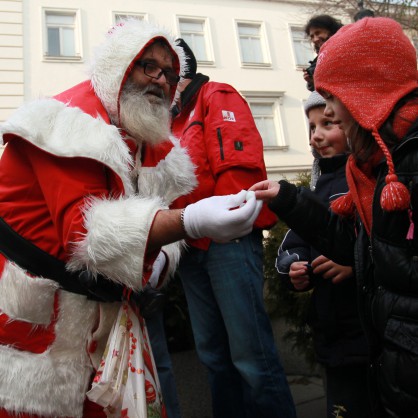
96 287
39 263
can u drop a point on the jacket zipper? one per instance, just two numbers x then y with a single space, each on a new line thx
221 146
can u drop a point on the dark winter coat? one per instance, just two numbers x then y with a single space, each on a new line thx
386 265
333 315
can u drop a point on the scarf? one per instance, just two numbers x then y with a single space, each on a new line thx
361 181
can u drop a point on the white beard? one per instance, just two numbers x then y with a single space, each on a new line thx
145 117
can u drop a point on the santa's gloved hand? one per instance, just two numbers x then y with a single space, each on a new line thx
157 268
222 218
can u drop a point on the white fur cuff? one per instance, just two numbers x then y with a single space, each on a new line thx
116 238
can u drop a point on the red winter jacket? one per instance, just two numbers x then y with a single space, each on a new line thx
220 134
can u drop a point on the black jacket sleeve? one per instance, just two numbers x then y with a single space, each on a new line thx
292 249
311 219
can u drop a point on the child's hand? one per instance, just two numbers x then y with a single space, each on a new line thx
330 270
265 190
298 274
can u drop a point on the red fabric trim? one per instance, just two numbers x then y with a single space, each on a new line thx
25 336
149 258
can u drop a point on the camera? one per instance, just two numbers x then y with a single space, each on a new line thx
310 71
315 279
309 268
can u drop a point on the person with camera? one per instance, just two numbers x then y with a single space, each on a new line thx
318 29
339 342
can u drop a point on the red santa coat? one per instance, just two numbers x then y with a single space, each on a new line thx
220 134
66 185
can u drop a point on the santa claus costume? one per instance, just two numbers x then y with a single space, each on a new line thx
73 185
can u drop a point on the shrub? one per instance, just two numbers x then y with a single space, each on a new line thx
282 302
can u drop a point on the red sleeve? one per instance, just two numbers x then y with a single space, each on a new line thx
235 147
231 136
65 184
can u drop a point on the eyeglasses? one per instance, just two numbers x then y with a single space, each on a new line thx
154 71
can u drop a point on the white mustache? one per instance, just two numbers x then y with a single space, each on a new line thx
153 90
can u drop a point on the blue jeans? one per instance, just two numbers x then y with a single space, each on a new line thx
156 332
232 332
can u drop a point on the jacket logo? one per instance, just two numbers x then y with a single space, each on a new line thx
238 145
228 116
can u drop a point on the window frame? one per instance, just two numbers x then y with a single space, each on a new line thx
275 99
292 29
414 41
207 37
267 62
77 35
142 16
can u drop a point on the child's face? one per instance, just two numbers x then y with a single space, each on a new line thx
325 136
338 113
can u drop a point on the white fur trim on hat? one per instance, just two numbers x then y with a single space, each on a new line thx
122 45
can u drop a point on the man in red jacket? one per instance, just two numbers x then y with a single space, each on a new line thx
223 283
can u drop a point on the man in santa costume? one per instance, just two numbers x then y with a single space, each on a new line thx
81 184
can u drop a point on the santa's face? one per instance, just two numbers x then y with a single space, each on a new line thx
145 98
154 71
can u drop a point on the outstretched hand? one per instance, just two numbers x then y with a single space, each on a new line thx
222 218
265 190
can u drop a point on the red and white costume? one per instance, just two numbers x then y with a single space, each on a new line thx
75 187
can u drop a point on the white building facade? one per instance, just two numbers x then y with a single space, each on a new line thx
256 46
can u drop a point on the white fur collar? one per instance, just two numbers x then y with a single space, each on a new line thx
69 132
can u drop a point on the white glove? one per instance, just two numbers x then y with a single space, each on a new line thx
222 218
157 268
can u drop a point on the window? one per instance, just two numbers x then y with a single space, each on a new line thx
118 17
252 43
62 36
195 31
415 43
265 108
302 47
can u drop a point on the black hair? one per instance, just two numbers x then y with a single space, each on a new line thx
363 13
324 22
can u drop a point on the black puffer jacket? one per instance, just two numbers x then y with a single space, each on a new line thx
386 267
333 315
